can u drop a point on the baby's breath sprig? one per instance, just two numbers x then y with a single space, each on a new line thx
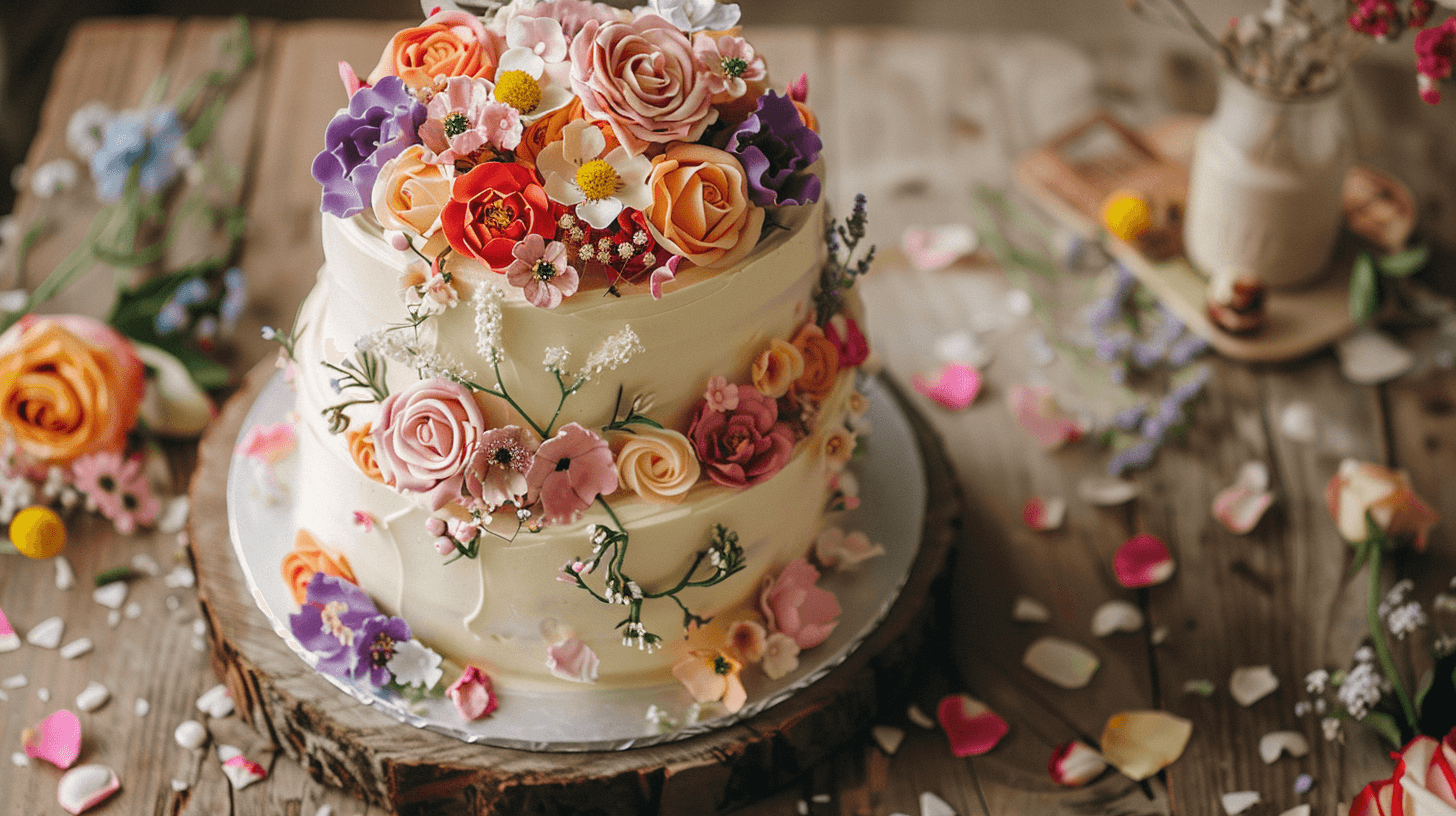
838 275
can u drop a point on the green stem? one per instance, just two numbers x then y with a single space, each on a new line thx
503 394
1377 634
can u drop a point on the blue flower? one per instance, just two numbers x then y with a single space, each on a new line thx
153 138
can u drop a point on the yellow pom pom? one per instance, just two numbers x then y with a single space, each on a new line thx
519 90
38 532
596 179
1127 215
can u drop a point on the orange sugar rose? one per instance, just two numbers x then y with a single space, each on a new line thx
308 557
821 363
548 129
361 449
700 207
777 368
69 386
449 43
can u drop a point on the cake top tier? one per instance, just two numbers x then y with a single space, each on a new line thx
566 141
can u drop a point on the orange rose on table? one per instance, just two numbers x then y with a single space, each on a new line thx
409 195
69 385
448 43
821 363
700 207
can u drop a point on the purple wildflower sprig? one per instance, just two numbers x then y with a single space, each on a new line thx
838 275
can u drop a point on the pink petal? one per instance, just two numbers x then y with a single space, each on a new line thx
1061 661
930 248
972 727
9 641
1142 561
698 677
1240 506
1039 415
1043 515
242 772
352 82
662 275
1075 763
269 443
86 787
57 739
955 388
1141 743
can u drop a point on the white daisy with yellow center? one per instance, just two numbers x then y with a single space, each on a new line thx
600 186
532 75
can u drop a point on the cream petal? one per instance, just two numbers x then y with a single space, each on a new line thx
1061 662
637 196
1116 616
600 213
581 142
520 59
1141 743
1250 684
562 191
553 161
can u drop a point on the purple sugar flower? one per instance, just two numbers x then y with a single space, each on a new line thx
329 624
375 646
380 123
775 147
1187 347
1134 457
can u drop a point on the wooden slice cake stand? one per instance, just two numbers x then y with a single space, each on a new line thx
416 771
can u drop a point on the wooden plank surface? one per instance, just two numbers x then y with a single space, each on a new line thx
915 120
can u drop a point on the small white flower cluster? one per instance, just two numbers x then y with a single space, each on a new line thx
636 635
597 535
16 494
1362 689
616 350
555 359
396 346
1315 681
487 302
1400 616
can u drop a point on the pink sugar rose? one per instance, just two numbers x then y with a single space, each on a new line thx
642 78
744 445
472 694
425 438
570 470
794 606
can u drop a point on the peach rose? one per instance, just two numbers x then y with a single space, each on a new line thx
409 194
361 449
548 129
700 208
821 363
448 43
307 557
69 385
658 464
777 368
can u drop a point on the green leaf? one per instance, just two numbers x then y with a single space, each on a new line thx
1384 725
1404 264
1364 289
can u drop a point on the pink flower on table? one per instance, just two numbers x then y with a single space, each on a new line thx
541 270
118 489
711 676
473 695
743 446
465 119
426 437
497 473
721 395
795 606
570 470
643 78
1435 52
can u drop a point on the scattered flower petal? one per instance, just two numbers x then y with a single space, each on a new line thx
9 641
1075 763
780 655
972 727
1018 302
269 443
1030 610
174 515
1061 661
473 694
141 707
1297 810
1141 743
57 739
932 805
955 387
1297 422
1036 409
572 659
1107 491
1239 801
46 634
216 702
1159 636
1240 506
931 248
1271 745
92 697
1043 515
1370 357
86 787
190 734
1201 686
962 347
241 771
1250 684
835 548
1142 561
76 648
65 576
1116 616
1303 784
112 595
920 718
888 737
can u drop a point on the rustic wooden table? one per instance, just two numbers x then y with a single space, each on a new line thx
915 120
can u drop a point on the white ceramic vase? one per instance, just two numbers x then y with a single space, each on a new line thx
1264 189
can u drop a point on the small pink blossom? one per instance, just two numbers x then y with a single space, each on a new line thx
747 639
571 659
848 340
721 395
711 676
473 695
497 474
429 288
363 520
541 271
118 489
795 606
269 443
1435 52
731 64
835 548
478 122
569 471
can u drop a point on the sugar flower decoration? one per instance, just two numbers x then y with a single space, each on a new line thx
380 123
523 81
721 395
497 474
742 446
375 647
780 655
712 676
695 15
570 470
776 149
747 640
333 612
794 605
538 45
578 171
473 694
731 63
414 664
428 288
572 659
836 548
541 271
464 120
425 437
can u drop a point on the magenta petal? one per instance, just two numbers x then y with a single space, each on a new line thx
1142 561
955 388
9 641
57 739
972 727
1039 415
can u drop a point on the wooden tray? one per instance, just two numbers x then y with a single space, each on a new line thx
1071 175
416 771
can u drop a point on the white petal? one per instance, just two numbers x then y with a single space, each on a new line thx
1297 422
1107 491
1273 744
562 191
1239 801
1030 610
1250 684
1369 357
600 213
637 196
521 59
1116 616
1060 661
581 142
888 738
932 805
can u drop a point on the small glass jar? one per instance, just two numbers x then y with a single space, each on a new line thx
1264 190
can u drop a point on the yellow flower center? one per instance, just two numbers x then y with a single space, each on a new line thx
497 216
519 90
597 179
